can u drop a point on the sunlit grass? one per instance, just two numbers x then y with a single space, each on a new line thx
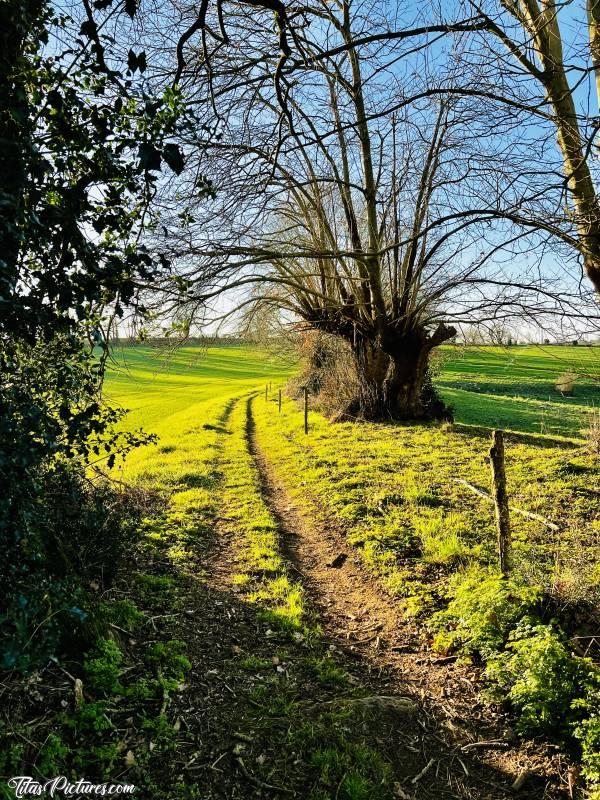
262 571
393 490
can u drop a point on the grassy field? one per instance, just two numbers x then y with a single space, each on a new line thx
510 388
514 388
395 493
393 485
175 394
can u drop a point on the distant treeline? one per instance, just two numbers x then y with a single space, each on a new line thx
212 341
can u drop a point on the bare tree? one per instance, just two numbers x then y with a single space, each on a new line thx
552 79
368 191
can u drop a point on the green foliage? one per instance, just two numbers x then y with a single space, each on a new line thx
158 591
102 668
80 151
52 756
123 613
168 658
161 732
327 672
587 730
90 718
483 610
540 677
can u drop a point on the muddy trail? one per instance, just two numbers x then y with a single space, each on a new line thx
459 746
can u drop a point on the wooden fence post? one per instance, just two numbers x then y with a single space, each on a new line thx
266 391
280 401
305 410
500 501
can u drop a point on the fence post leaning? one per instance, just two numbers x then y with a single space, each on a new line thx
266 391
305 410
280 401
500 501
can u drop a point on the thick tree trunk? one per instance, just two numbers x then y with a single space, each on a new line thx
543 22
372 366
394 382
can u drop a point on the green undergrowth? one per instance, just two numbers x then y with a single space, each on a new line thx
118 726
122 722
528 660
392 490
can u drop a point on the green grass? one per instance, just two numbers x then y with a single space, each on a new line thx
391 487
198 405
514 388
510 388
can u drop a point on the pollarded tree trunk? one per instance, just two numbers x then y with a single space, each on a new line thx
405 385
393 376
372 366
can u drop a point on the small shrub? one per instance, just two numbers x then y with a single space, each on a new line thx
102 668
484 609
541 678
329 371
161 732
565 384
90 718
168 659
158 591
123 613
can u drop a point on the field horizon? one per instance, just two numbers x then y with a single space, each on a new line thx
511 388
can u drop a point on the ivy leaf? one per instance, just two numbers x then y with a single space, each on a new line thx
172 155
136 61
88 28
149 156
131 7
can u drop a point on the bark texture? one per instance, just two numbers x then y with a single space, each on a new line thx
393 376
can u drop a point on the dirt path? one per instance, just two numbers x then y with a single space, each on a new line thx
471 748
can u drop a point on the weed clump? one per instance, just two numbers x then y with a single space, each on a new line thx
102 668
484 609
542 679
